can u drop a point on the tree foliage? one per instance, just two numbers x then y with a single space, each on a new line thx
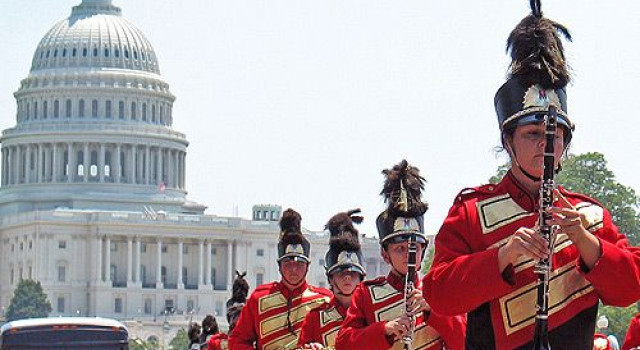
29 301
181 340
588 174
619 318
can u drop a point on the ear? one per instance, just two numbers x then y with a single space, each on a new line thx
385 255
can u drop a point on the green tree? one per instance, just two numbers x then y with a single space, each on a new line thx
619 318
181 340
588 174
29 301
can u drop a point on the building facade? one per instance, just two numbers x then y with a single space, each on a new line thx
93 190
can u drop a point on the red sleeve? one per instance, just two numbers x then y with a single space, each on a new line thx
633 334
310 331
452 329
356 333
244 334
616 275
460 280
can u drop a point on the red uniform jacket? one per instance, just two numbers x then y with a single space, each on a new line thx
464 277
632 339
378 301
273 316
218 341
322 324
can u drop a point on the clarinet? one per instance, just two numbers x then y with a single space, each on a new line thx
408 287
543 267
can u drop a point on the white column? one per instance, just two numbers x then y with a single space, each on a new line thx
101 162
136 270
230 265
201 263
159 267
159 166
85 162
54 162
180 254
129 260
99 259
169 169
207 273
107 259
27 168
147 165
117 168
132 161
72 169
176 171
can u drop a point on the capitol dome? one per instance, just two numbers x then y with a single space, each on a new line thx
95 35
94 122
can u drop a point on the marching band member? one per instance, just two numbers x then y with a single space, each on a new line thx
344 268
383 311
488 245
274 312
240 289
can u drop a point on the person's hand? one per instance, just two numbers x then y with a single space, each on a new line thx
399 327
525 242
313 346
569 220
416 302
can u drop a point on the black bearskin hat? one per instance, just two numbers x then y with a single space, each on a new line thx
292 243
404 214
344 245
538 75
238 299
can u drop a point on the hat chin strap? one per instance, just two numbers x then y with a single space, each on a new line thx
526 173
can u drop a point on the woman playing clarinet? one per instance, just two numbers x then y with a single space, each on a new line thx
522 288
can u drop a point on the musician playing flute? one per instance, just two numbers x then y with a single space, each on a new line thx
273 314
486 249
345 270
383 313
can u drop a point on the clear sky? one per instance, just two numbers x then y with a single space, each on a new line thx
303 103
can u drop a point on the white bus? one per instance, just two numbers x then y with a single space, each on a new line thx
71 333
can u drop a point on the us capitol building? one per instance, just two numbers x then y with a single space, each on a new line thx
93 202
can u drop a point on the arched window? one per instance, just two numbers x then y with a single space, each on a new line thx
48 52
84 52
121 110
28 110
44 110
74 52
94 108
153 113
93 168
55 53
144 112
68 109
64 52
95 52
56 109
161 114
117 53
135 54
106 52
107 164
107 109
81 109
80 162
126 53
35 110
133 111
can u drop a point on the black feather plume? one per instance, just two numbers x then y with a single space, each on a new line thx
404 176
240 290
290 221
537 53
344 236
